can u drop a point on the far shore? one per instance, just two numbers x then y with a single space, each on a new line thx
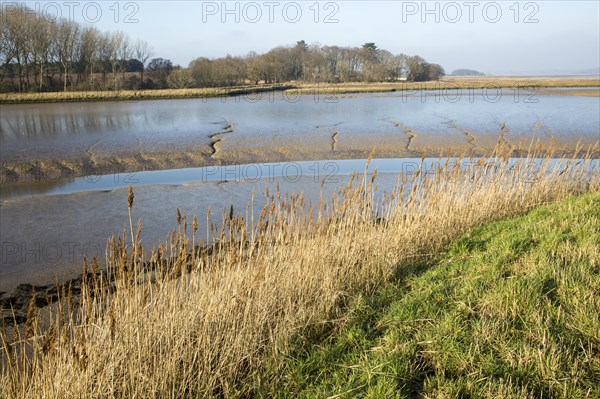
136 95
297 88
452 83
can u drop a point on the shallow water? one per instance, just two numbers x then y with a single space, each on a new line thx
328 171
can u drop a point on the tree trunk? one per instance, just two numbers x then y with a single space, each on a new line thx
92 76
26 75
66 75
20 71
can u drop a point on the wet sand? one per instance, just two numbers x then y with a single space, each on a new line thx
244 151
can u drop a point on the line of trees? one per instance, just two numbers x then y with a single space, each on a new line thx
38 53
313 63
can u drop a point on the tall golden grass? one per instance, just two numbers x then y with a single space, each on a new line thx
202 319
136 95
528 84
485 85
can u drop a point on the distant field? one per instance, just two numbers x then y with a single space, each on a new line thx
301 88
583 92
446 83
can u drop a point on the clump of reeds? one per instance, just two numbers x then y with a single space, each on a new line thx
202 319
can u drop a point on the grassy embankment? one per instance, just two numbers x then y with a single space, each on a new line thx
293 89
240 316
510 310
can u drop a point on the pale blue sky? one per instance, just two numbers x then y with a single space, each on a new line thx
565 37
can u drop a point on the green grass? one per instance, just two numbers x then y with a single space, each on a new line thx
510 310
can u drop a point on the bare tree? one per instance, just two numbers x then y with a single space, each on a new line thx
256 68
7 50
400 64
124 53
228 71
333 56
41 34
180 79
115 42
89 53
67 34
104 54
201 70
15 35
418 70
316 66
142 52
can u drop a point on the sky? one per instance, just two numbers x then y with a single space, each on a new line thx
492 37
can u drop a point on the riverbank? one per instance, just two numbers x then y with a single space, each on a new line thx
510 309
526 84
137 95
474 86
215 323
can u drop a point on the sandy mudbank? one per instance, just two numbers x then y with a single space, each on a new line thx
229 150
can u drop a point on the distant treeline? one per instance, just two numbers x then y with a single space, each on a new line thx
466 72
38 53
313 63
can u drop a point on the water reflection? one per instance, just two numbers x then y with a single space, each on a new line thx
423 112
33 123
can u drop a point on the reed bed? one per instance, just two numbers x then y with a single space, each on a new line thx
136 95
527 84
203 319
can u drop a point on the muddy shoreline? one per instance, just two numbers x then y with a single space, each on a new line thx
137 95
23 172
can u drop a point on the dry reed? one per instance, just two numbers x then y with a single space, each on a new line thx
469 85
136 95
